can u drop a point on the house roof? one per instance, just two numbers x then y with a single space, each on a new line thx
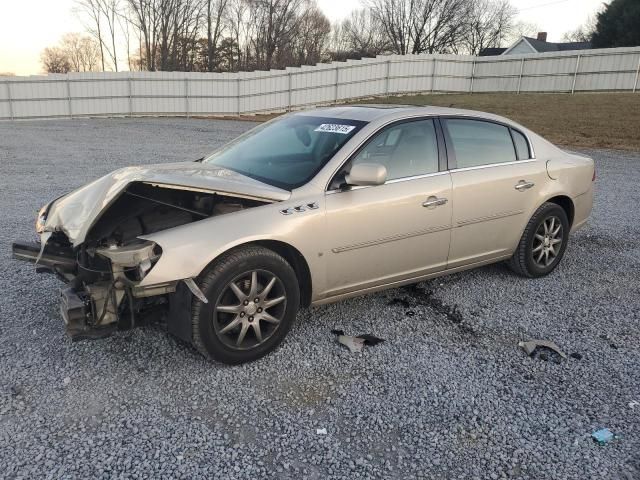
541 46
490 52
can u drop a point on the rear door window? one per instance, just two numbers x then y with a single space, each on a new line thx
476 142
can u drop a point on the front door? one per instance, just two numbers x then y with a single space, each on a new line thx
383 234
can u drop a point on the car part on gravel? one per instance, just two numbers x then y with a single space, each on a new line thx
532 345
356 343
603 436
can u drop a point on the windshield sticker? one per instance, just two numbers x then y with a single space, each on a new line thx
335 128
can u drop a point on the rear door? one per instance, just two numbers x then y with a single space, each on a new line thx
495 180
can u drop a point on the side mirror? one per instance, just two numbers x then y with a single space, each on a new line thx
365 174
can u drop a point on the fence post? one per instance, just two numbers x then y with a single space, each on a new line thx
387 78
186 95
473 72
575 75
336 85
8 84
130 88
69 96
433 74
520 77
289 93
635 85
238 90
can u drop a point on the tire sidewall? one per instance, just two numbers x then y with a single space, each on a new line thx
557 211
213 289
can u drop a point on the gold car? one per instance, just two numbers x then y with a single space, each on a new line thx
310 208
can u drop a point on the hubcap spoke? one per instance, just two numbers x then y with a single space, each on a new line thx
237 291
269 318
256 330
243 333
233 324
540 237
267 289
273 302
229 308
254 284
538 248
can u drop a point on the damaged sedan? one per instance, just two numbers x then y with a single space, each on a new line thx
309 208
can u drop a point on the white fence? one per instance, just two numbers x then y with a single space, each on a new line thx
188 94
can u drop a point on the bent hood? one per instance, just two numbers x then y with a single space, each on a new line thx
76 212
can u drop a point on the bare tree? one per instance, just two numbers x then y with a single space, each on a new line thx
276 24
583 33
421 26
111 10
83 52
55 60
215 13
362 34
521 29
310 42
92 9
488 24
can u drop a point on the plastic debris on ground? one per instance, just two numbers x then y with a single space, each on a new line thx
603 436
321 431
532 345
355 344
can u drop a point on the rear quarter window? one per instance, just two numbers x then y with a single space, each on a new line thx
522 146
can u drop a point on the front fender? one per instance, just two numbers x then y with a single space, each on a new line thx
188 249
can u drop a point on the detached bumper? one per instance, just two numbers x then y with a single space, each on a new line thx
48 257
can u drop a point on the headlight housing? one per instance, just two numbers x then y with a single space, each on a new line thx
41 219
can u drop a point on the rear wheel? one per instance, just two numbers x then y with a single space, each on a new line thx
253 300
543 242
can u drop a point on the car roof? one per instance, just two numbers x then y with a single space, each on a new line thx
372 112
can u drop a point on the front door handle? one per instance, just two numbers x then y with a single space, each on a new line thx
523 185
433 201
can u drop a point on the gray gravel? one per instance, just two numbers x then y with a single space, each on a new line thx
448 395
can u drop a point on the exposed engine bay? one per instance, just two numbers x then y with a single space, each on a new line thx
104 271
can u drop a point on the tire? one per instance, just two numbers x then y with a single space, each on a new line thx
217 326
534 257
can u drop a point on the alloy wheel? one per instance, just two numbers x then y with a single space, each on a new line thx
249 309
547 241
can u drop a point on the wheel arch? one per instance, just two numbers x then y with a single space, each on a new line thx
567 205
291 254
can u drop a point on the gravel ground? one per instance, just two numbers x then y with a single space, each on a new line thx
448 395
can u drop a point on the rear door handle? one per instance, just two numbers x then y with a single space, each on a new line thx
523 185
433 201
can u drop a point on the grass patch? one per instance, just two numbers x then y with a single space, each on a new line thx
588 120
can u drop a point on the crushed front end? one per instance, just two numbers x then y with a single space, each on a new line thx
104 271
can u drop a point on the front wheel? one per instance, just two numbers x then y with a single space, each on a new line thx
253 298
543 242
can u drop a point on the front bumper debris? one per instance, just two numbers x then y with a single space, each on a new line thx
51 255
102 292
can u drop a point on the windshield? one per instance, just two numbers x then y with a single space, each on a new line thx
288 152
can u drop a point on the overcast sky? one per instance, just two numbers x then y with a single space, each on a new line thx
28 26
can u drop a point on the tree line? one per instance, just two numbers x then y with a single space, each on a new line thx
241 35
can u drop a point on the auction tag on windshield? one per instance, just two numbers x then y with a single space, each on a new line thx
335 128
